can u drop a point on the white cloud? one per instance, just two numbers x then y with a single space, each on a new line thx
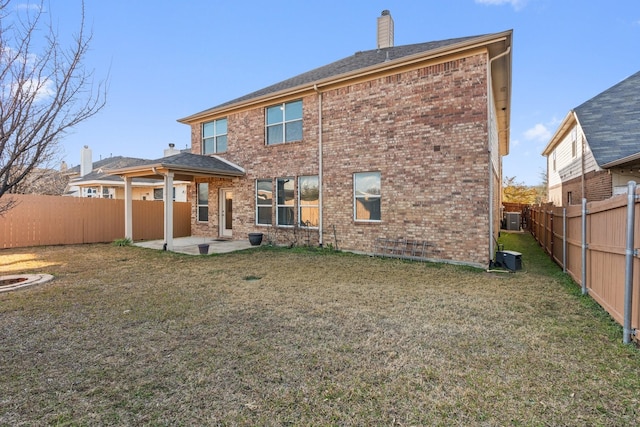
517 4
538 133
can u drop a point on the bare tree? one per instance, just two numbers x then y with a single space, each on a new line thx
45 90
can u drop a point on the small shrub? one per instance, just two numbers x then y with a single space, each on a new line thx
125 241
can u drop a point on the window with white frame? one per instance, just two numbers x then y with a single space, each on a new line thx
366 196
284 123
264 201
308 201
214 136
285 201
203 202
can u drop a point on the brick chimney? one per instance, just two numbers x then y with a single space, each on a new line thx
385 30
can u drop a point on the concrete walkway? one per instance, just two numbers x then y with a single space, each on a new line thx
189 245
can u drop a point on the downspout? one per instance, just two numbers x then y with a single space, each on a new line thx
489 111
320 159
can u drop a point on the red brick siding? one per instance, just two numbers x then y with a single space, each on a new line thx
598 186
425 131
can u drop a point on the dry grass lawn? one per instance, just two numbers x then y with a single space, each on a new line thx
274 337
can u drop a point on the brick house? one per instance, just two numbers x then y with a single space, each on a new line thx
595 151
399 142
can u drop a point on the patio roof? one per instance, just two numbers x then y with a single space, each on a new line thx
184 166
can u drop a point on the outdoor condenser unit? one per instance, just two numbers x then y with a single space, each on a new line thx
510 260
513 220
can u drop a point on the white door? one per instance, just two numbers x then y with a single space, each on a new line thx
226 212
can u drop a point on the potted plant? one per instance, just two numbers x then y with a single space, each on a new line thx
255 239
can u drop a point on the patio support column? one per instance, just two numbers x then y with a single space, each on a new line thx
128 208
168 210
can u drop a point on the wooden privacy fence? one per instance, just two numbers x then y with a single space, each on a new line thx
601 268
54 220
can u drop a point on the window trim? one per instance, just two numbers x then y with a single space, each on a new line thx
215 136
301 205
282 123
199 205
278 205
374 196
264 205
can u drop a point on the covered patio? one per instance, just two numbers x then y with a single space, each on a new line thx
183 167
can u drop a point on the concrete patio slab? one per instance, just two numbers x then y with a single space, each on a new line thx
189 245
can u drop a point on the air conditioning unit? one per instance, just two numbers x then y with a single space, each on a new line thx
512 220
510 260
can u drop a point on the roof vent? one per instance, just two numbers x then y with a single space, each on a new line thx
385 30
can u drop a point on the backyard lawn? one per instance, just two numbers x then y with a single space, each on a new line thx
133 336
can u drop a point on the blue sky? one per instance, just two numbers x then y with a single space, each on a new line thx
167 59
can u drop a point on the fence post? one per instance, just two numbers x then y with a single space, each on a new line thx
564 240
629 254
584 247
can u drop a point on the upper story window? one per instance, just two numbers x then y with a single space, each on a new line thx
284 123
214 136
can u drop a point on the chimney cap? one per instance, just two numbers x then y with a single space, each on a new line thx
171 145
385 12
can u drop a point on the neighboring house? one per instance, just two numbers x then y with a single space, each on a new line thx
90 179
596 150
398 142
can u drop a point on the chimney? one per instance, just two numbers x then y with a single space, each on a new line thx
171 150
385 30
86 162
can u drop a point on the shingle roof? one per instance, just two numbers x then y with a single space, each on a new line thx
358 61
611 121
188 162
100 167
195 161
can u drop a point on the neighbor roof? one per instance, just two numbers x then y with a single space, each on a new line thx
611 122
356 62
183 165
99 168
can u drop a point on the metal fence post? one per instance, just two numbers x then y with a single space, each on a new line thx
584 247
629 254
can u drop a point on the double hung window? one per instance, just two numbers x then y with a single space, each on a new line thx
284 123
285 200
214 136
203 202
264 201
366 194
308 201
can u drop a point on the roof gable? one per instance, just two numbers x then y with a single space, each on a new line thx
611 122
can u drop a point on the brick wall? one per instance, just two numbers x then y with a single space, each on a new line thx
598 186
425 131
